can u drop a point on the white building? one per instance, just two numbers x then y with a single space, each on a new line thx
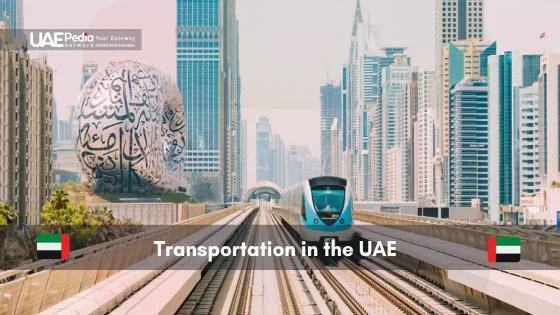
362 88
549 133
243 157
346 165
336 150
395 113
530 182
525 72
395 170
427 133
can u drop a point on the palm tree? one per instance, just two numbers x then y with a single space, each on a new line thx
101 220
60 199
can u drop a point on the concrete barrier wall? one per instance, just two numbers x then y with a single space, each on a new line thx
539 251
153 213
36 292
143 213
190 210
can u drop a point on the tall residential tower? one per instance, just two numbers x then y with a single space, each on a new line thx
331 109
26 113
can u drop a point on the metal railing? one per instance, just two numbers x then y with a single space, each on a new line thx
44 283
533 246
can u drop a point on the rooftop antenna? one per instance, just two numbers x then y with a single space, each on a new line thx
327 70
369 21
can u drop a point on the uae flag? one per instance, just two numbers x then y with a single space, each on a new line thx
53 246
504 249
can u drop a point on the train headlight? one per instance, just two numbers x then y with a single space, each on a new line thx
341 221
316 221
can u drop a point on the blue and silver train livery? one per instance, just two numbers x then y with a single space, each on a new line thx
319 209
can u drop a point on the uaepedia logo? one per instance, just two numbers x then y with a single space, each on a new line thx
57 39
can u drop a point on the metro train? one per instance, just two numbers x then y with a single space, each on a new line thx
319 209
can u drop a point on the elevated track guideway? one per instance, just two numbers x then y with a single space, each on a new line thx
263 285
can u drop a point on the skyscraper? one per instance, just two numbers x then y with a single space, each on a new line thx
500 95
525 69
549 129
243 158
12 12
461 59
456 20
208 78
331 109
468 154
427 133
277 161
231 98
89 68
395 123
264 132
394 175
528 170
360 87
376 148
412 133
297 154
336 149
459 20
26 138
55 123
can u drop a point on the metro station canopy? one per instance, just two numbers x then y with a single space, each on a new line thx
263 188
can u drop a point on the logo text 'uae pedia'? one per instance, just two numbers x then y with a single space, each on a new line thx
504 249
57 39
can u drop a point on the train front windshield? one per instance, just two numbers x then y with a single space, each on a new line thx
328 200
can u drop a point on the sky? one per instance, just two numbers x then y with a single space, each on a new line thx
288 48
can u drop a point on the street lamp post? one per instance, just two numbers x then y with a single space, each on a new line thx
477 146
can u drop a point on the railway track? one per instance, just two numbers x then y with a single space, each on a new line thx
288 298
351 306
241 298
408 292
433 299
202 298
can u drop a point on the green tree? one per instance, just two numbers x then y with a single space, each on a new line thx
555 184
69 214
60 199
7 214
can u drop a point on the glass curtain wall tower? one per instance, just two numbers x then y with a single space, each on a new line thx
209 82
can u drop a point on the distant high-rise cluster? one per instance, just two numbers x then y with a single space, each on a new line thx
66 165
26 127
283 166
491 120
